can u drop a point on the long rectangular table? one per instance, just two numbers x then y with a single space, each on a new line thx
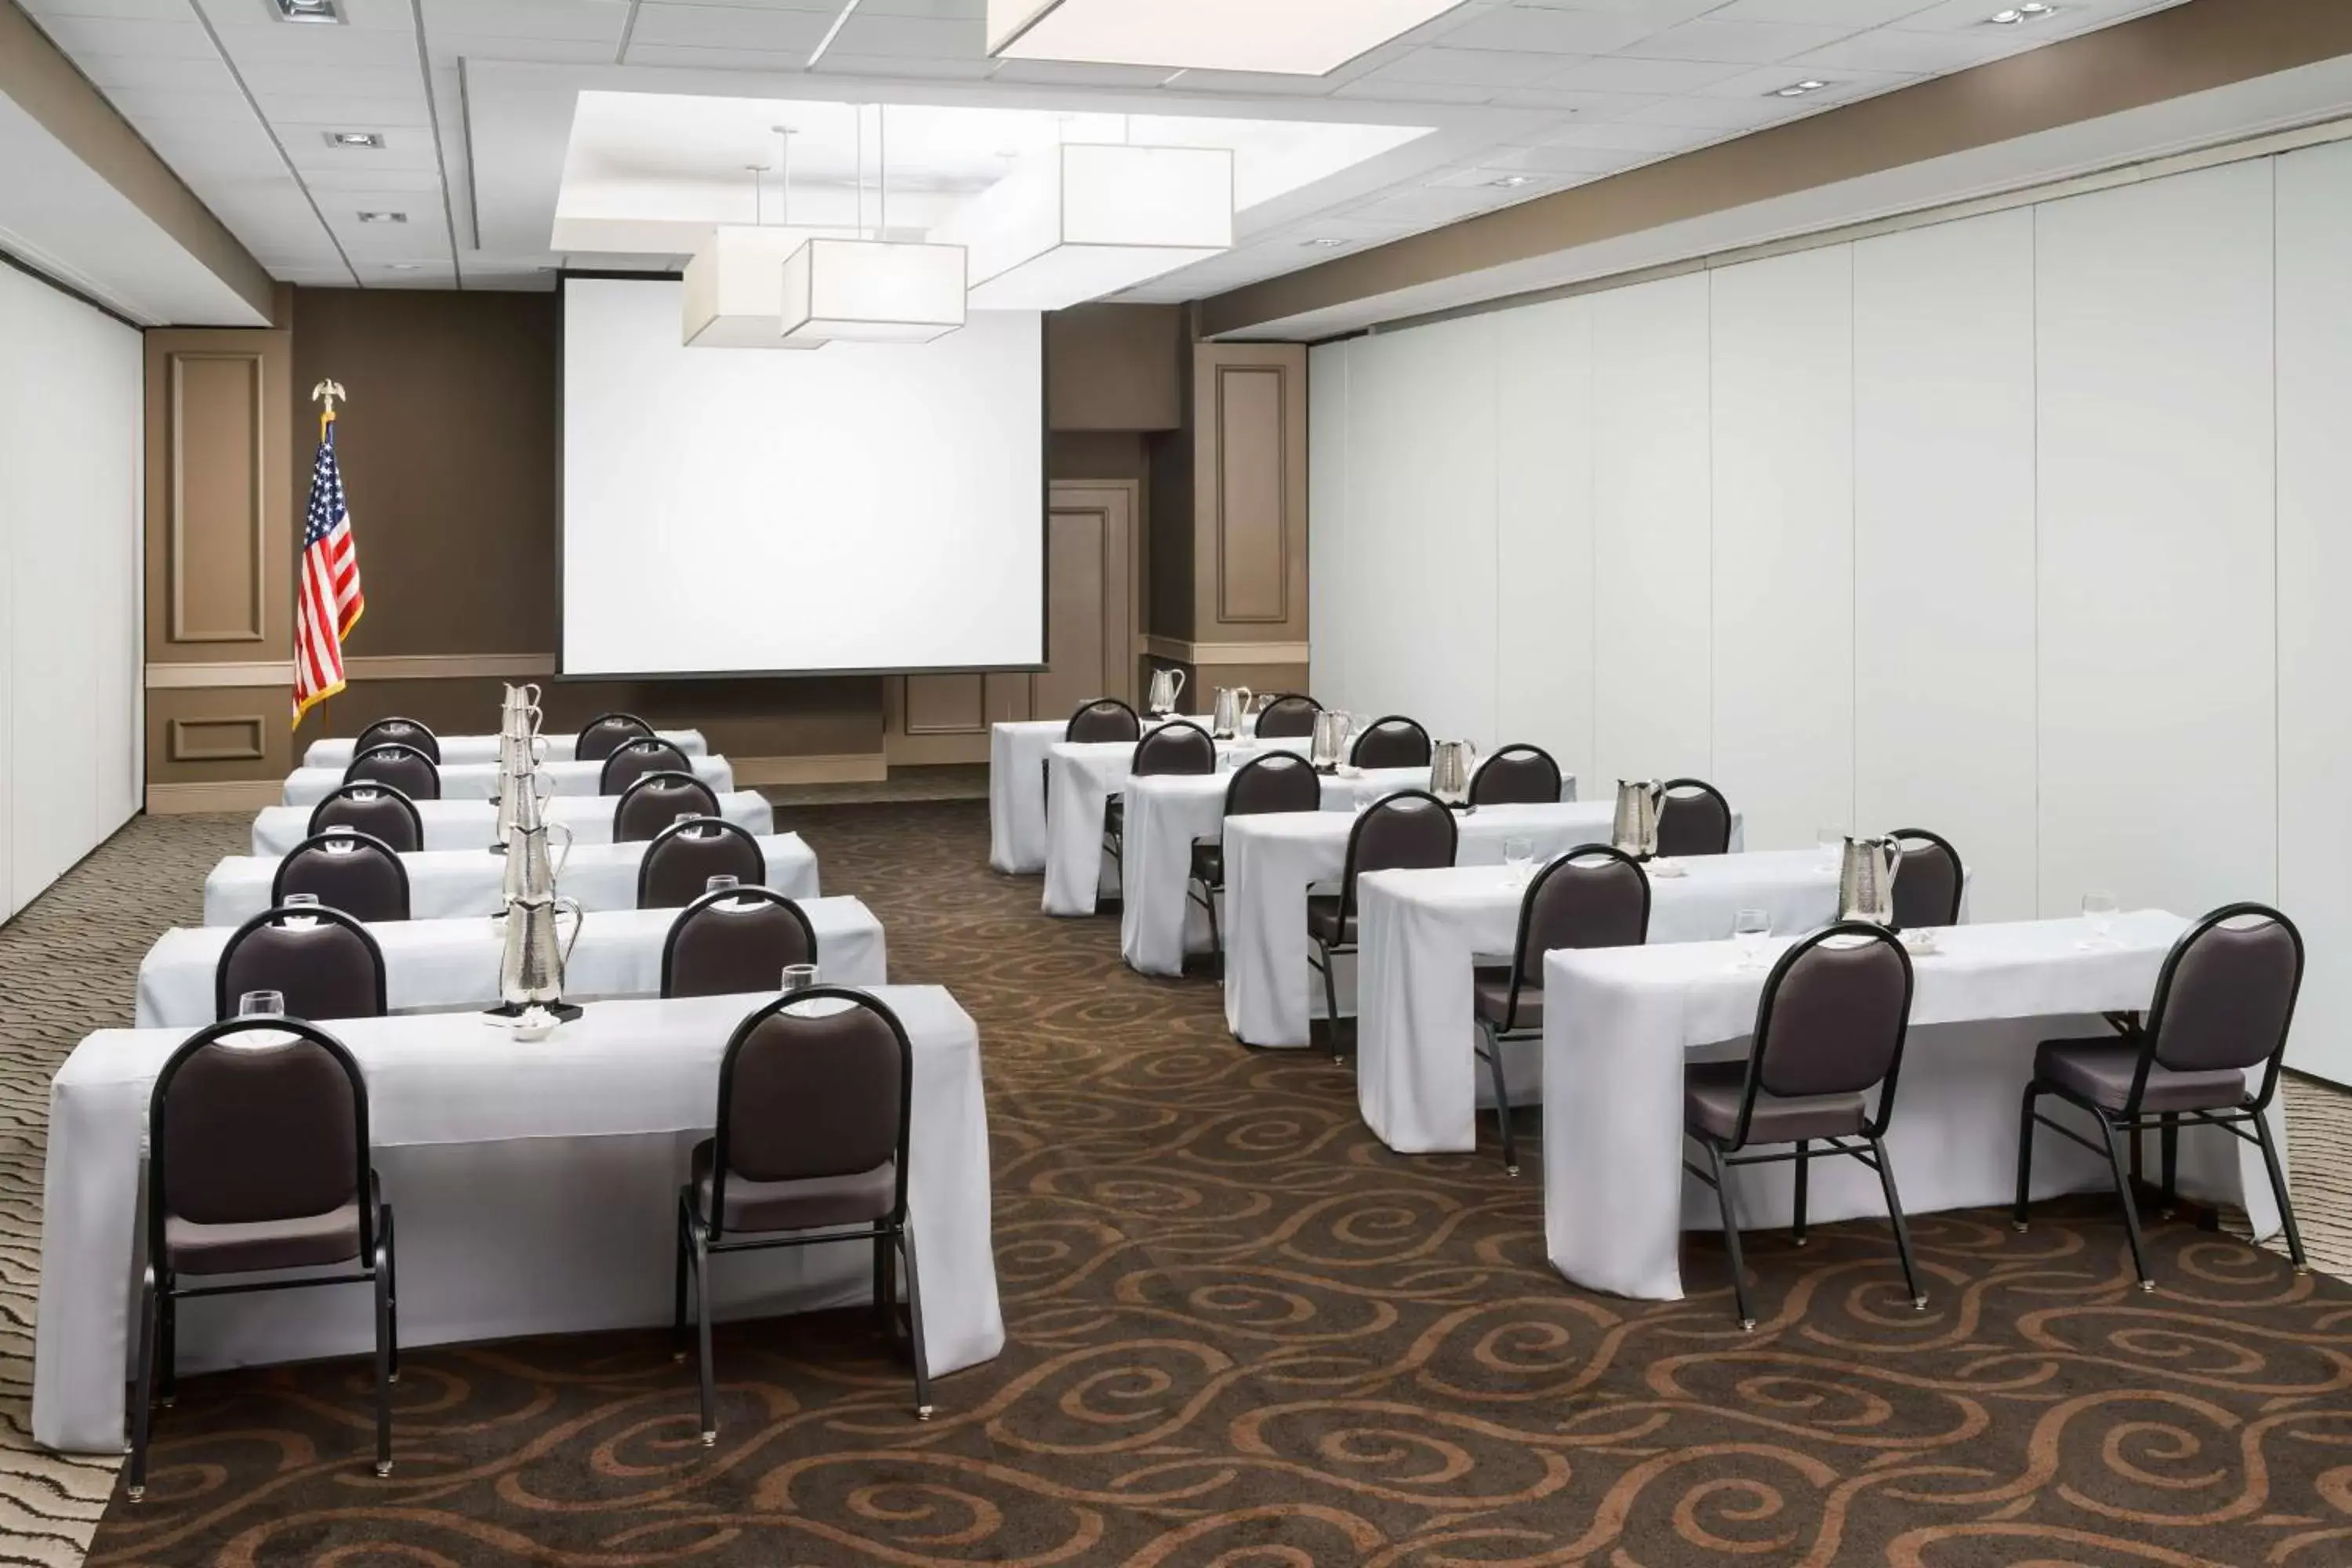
1272 861
536 1186
444 883
1417 1081
1081 779
468 823
438 965
479 781
1620 1023
337 753
1016 790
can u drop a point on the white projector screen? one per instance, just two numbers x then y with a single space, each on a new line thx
863 507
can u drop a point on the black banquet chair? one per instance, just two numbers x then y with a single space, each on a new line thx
1408 830
1693 819
402 766
1593 896
2223 1003
633 759
815 1092
1830 1027
399 732
1273 780
1395 742
1179 746
1104 721
320 960
259 1165
734 941
378 810
345 870
1288 717
681 860
1516 775
606 733
655 801
1928 881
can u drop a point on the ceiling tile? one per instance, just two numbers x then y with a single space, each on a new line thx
729 26
144 106
1719 114
598 21
1249 83
1583 105
1559 159
1414 93
134 10
1844 86
266 79
1654 14
1630 137
839 62
1554 32
1920 54
915 37
449 47
1734 42
146 39
1077 73
1465 67
1616 73
111 71
1823 13
702 57
386 114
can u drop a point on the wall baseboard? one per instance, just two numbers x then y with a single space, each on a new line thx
1177 650
232 794
855 767
451 667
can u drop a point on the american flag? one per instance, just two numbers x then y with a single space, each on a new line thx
329 603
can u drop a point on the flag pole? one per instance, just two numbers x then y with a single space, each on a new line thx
325 393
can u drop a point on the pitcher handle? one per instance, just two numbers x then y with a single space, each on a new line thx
553 828
1179 675
579 923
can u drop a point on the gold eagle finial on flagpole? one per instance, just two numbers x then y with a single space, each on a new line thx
325 392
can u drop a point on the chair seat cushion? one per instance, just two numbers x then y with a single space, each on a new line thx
1490 997
808 1204
1209 862
1711 1096
2100 1069
1323 922
258 1245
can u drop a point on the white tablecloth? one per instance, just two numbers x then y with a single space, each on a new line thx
536 1192
1016 790
337 753
1081 781
1417 1081
1270 862
444 883
467 823
436 965
1158 923
477 781
1619 1021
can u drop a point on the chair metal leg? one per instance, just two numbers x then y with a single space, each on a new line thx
1894 1216
886 1301
1804 1171
915 1324
1494 1055
2025 1156
1331 1002
2168 1142
143 1388
1216 931
390 1285
2131 1206
167 1351
383 1362
707 1378
685 1253
1742 1310
2278 1190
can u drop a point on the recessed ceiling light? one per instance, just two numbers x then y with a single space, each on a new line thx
1799 88
383 217
309 10
1512 181
354 138
2016 13
406 266
1326 243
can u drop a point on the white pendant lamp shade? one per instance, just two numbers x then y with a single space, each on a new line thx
1297 37
872 290
1075 222
734 292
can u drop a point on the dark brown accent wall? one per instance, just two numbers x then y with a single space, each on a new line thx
1116 367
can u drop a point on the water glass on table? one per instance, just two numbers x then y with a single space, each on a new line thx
2099 914
799 977
301 901
1518 860
1750 927
261 1004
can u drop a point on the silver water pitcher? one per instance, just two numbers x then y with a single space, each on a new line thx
1635 829
521 800
1866 872
1449 772
1328 747
1232 706
1167 690
532 868
532 966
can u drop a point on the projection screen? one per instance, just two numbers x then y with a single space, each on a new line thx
863 507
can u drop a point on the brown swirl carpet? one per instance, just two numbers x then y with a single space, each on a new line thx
1242 1332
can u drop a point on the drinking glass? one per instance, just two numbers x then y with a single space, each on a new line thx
2099 911
1518 859
1749 929
261 1004
799 977
688 816
300 901
721 883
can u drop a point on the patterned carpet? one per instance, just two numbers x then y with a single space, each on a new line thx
1243 1332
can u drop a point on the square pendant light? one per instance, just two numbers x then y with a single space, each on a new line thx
1294 37
1075 222
734 293
872 290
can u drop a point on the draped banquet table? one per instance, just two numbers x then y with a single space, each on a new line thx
438 965
476 781
468 823
1159 923
536 1186
1081 780
1619 1023
444 882
1016 789
455 749
1271 861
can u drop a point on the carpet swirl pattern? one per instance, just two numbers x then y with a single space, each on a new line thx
1243 1333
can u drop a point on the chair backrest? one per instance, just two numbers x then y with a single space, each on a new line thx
1928 883
1273 780
355 872
817 1083
402 766
1409 830
1395 742
1181 747
606 733
1593 896
1833 1019
1693 819
244 1132
2226 995
1516 775
653 803
328 968
634 759
727 943
682 858
1286 716
379 810
1103 719
399 732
